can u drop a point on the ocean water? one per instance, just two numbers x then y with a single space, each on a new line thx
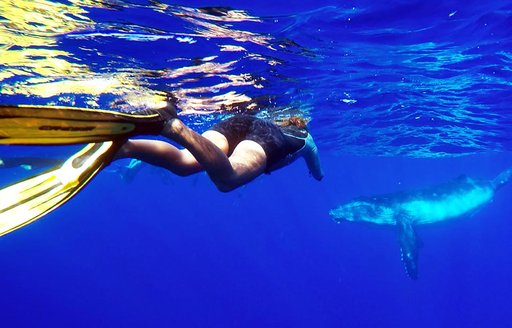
401 95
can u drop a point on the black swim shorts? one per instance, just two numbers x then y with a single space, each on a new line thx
268 135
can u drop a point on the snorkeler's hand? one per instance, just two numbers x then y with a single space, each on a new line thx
317 174
313 160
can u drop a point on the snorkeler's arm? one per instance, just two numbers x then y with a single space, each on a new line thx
312 159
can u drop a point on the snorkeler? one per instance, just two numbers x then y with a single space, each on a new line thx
233 152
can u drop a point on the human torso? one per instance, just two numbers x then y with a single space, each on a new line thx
279 143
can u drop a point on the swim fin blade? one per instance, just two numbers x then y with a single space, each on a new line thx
26 201
54 125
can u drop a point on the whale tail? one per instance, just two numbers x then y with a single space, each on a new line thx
502 179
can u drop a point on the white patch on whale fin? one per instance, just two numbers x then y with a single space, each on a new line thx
409 244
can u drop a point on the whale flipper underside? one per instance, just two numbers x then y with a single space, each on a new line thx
409 244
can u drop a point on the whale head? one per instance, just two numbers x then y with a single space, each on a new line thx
361 210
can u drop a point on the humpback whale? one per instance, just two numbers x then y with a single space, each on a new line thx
405 210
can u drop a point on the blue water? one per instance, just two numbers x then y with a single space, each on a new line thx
401 95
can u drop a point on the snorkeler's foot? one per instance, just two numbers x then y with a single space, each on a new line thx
172 128
169 111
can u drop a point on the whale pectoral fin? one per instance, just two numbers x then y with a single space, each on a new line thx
409 244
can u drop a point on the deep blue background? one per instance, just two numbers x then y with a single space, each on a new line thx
164 251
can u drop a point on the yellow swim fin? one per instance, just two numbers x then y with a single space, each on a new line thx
26 201
54 125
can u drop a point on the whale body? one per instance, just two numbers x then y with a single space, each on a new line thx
405 210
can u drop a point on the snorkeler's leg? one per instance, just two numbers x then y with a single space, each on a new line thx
246 163
162 154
